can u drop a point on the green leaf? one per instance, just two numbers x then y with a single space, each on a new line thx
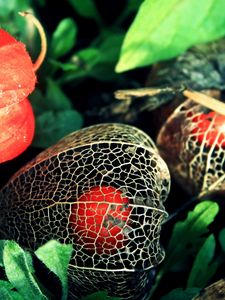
10 7
180 294
5 284
102 295
187 238
41 3
222 239
56 257
131 7
85 59
6 7
64 66
80 64
97 62
109 54
63 38
203 268
19 272
38 102
164 29
187 235
2 245
87 9
110 47
6 292
55 97
54 125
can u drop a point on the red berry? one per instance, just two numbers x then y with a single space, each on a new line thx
210 129
16 129
99 218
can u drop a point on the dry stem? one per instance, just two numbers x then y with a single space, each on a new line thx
206 101
41 31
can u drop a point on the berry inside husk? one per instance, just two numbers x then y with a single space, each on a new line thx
99 218
210 129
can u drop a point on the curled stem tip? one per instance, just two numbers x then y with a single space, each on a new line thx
41 31
206 101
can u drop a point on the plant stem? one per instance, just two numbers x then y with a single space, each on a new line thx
157 281
41 31
180 209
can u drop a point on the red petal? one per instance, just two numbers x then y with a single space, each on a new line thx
17 77
16 129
